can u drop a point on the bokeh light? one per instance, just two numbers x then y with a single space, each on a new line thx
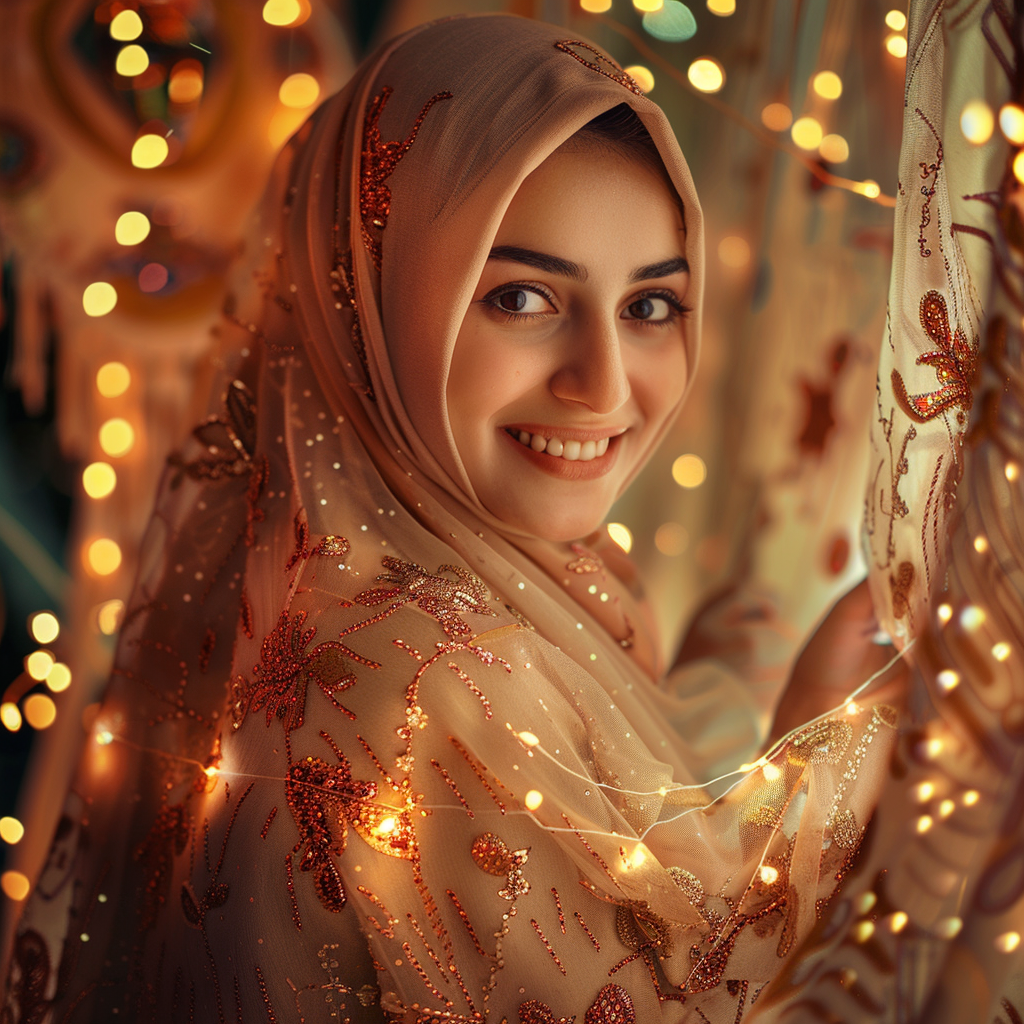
10 716
776 117
113 379
44 627
299 91
108 616
149 151
834 149
896 45
103 556
674 23
131 228
153 277
596 6
1001 651
15 885
99 298
806 133
671 539
131 61
99 479
648 5
281 12
896 20
38 665
125 26
977 122
117 437
689 471
11 830
723 8
828 85
58 679
734 251
622 535
40 711
1011 123
706 75
1018 166
1007 942
533 799
641 75
186 82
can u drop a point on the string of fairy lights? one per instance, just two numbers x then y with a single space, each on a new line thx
29 700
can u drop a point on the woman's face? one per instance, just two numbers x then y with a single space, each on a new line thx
571 356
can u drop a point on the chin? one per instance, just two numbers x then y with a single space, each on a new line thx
559 529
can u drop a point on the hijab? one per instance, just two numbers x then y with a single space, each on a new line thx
365 743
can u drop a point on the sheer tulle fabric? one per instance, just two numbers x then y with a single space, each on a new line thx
367 751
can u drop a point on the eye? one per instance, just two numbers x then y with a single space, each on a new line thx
519 301
651 308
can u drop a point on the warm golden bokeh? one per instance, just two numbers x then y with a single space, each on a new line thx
112 379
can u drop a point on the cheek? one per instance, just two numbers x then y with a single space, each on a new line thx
660 385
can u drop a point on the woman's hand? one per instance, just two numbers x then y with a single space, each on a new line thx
840 656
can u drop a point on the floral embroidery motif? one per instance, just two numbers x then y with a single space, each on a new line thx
284 673
378 162
954 360
324 799
230 439
613 1005
445 599
490 854
602 65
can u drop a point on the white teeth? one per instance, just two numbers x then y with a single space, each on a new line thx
571 451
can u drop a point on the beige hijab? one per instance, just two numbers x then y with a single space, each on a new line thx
367 748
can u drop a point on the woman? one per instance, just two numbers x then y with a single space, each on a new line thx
387 739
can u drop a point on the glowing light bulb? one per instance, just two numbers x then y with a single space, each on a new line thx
949 927
104 737
734 251
946 808
776 117
10 716
898 922
117 437
944 612
11 830
863 930
706 75
44 627
40 711
931 748
58 679
769 875
596 6
131 61
642 76
99 479
621 534
38 665
868 188
15 885
299 91
112 379
896 45
648 5
723 8
533 799
99 298
125 26
924 823
529 739
108 616
639 856
1011 123
210 771
977 122
281 12
835 149
972 617
971 797
103 556
828 85
149 151
948 679
1007 942
1018 166
806 133
896 20
1012 471
771 772
689 471
923 791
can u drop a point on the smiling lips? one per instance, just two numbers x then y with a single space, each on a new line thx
571 450
566 458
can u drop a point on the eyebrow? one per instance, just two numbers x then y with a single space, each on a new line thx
566 268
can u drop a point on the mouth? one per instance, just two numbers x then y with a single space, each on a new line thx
579 457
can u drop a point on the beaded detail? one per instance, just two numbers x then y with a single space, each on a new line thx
603 64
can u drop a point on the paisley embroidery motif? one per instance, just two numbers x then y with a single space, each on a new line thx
613 1005
954 360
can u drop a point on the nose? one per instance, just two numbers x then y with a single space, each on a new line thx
591 368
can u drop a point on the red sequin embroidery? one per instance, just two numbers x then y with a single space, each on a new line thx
603 65
378 162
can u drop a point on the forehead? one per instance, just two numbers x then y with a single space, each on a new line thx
597 199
